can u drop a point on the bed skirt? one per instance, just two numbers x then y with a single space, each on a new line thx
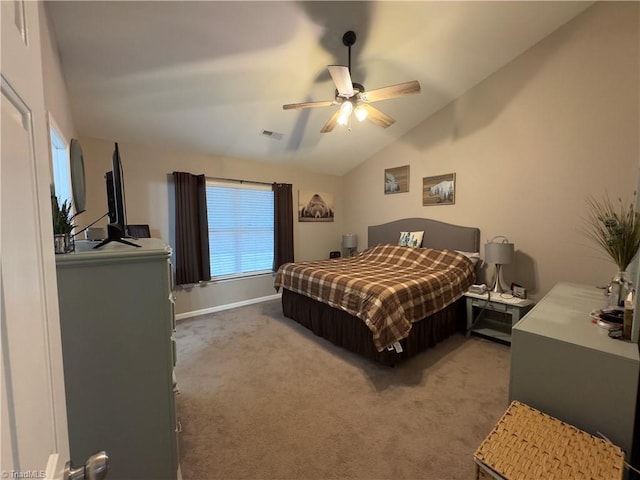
351 333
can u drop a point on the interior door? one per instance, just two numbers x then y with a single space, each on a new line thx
33 411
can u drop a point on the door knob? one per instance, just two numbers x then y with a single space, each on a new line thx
95 468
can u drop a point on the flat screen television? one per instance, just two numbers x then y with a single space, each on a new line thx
117 227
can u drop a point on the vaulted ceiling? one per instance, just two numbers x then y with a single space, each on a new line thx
209 77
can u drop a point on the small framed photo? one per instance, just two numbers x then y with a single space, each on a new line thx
396 180
439 190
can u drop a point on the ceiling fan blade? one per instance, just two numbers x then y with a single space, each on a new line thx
376 116
331 123
394 91
342 78
298 106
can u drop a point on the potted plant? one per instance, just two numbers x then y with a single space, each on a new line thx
616 229
62 225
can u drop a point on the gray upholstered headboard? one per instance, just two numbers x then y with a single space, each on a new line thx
436 234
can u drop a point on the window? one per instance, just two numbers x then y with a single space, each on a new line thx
240 219
61 167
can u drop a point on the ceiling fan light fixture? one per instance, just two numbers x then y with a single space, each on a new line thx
345 112
346 108
361 113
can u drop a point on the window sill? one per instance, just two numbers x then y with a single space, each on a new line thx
245 276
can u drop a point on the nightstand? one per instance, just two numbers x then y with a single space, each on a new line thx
497 329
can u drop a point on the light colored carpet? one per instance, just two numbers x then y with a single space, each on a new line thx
264 398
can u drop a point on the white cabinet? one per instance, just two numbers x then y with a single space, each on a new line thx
568 367
117 321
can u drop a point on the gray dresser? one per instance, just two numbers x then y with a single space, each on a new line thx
117 321
568 367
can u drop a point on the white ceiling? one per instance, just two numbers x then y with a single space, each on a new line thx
208 77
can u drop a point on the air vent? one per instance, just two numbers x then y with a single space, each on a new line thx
270 134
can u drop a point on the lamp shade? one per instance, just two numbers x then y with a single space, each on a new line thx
349 240
498 252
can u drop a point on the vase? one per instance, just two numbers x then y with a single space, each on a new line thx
619 288
63 243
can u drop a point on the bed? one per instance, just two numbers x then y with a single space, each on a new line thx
388 303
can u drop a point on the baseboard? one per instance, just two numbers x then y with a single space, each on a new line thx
228 306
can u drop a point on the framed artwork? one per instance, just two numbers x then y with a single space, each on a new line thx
396 180
315 206
439 190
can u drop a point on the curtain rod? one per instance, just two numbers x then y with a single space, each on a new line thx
240 181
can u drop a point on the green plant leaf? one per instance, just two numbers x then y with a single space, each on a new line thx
615 228
62 216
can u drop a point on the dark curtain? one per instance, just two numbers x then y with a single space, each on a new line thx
192 234
282 224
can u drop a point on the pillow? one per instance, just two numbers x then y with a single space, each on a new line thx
411 239
473 256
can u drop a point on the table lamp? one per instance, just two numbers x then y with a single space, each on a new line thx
499 253
350 243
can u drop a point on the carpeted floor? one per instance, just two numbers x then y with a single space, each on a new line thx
263 398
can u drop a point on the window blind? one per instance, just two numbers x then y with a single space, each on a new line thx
61 168
240 220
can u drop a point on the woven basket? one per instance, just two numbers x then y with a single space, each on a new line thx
527 444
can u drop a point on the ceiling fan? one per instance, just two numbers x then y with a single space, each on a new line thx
353 98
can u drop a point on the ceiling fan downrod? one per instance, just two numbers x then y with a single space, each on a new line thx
349 39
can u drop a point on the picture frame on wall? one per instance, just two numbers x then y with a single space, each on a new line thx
315 206
396 179
439 190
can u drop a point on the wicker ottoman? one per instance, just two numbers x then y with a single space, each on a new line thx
527 444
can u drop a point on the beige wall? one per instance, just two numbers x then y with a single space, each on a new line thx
55 88
528 144
148 187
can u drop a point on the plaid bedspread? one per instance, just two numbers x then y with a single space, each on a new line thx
387 286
